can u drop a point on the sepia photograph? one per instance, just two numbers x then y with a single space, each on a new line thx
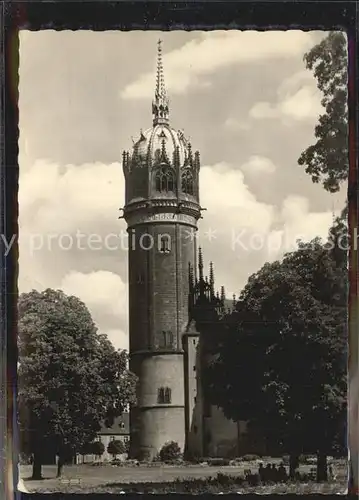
183 262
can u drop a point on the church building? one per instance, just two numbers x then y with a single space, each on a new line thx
173 306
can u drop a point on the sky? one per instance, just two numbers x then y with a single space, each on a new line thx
244 99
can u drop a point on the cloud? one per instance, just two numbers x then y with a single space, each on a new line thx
87 197
240 233
298 98
106 296
102 291
61 198
234 125
297 223
187 66
258 165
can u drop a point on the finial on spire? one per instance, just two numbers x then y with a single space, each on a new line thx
223 294
160 107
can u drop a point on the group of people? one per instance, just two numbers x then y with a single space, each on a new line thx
272 474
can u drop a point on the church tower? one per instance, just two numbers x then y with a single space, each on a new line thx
161 210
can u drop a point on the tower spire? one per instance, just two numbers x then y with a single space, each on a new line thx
211 279
160 109
200 264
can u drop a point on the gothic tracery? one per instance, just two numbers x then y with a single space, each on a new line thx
165 179
187 182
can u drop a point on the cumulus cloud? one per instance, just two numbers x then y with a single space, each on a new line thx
298 98
106 296
236 231
297 223
240 233
258 165
233 125
70 193
188 66
61 198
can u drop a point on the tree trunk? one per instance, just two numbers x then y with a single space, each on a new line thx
37 466
293 464
322 467
60 464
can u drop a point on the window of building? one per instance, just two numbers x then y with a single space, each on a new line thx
164 395
194 368
112 438
164 243
165 180
122 425
166 339
161 395
187 182
140 278
126 439
168 395
194 341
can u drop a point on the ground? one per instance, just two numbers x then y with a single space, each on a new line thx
107 478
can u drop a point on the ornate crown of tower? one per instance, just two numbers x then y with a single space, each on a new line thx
161 170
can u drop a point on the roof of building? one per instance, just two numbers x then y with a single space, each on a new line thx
120 426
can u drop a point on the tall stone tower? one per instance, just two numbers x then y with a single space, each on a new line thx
161 210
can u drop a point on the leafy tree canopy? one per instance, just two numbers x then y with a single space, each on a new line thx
70 377
281 361
116 447
326 161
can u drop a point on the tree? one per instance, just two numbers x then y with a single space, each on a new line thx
97 448
127 446
326 161
70 378
282 363
116 447
170 451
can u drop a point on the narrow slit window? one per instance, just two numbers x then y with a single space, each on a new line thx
161 395
164 245
168 395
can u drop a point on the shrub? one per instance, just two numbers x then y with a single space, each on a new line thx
224 479
170 452
116 447
218 461
250 458
97 448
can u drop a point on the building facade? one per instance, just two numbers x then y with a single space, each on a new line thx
171 303
119 431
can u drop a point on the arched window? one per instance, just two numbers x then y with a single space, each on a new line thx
164 243
166 339
165 180
187 182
